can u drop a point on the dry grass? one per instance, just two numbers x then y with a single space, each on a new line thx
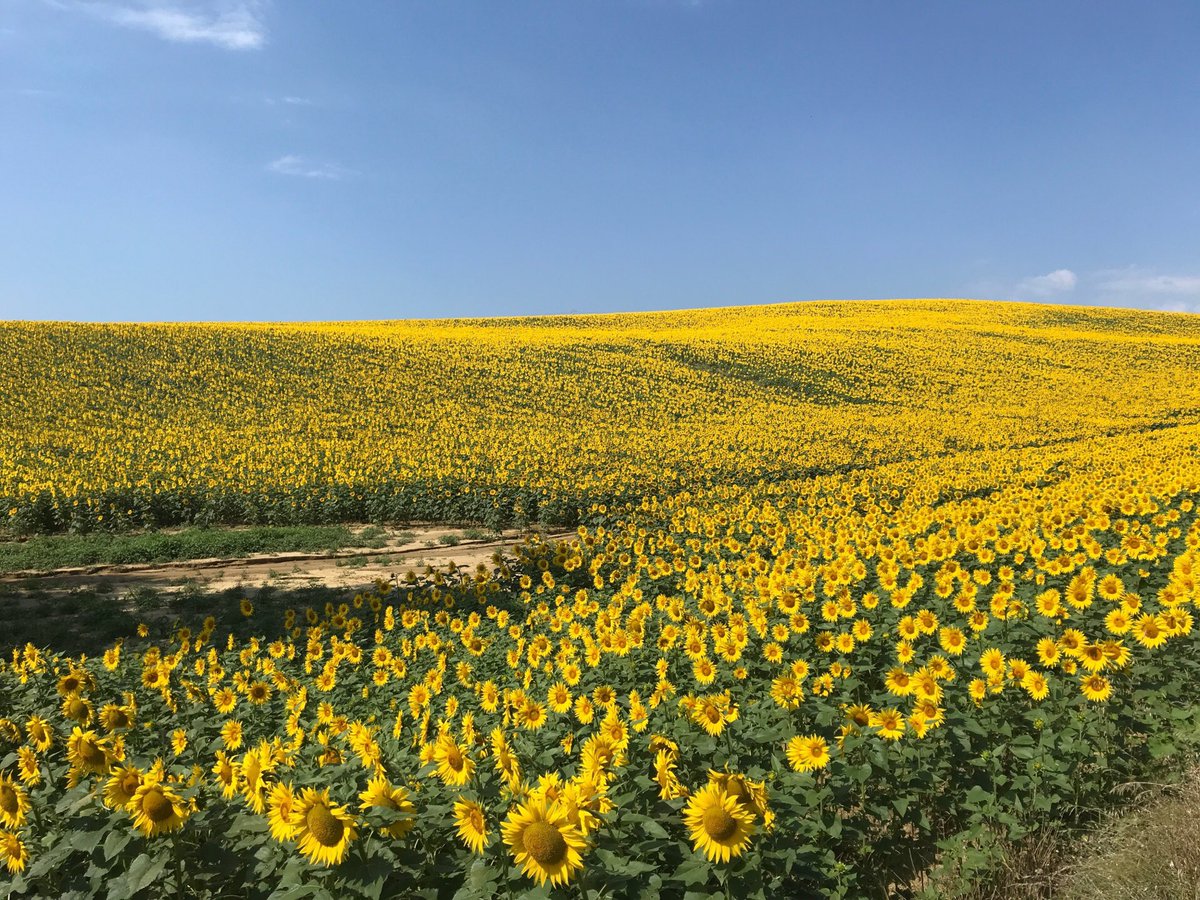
1149 850
1150 853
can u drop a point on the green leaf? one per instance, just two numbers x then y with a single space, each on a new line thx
117 840
692 871
144 870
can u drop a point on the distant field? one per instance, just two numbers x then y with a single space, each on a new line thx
515 420
863 600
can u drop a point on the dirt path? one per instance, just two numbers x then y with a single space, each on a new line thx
350 568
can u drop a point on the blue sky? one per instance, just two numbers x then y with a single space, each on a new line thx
299 159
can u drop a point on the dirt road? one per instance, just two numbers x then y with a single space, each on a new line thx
350 568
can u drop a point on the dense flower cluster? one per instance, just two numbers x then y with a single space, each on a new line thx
113 426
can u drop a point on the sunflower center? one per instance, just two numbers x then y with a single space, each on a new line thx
130 783
77 709
454 758
544 843
325 826
156 805
8 799
719 824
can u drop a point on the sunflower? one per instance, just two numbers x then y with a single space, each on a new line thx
600 758
532 715
41 734
1149 631
719 825
77 708
324 830
543 842
713 712
889 723
806 753
156 809
179 741
1118 621
669 785
381 795
225 700
231 734
29 769
1036 684
87 752
992 661
1092 658
227 775
281 804
13 852
259 692
454 764
1048 651
581 801
952 640
471 825
1096 688
14 803
121 786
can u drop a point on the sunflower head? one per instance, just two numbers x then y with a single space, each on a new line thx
324 830
471 824
543 842
87 752
394 802
156 808
14 803
121 786
718 824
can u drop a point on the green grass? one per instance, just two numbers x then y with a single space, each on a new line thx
47 552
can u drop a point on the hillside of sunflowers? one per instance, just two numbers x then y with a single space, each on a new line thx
857 595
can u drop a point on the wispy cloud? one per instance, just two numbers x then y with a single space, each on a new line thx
230 24
300 167
1147 287
1136 280
1060 281
288 101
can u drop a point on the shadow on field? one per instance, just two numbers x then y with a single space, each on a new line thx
88 620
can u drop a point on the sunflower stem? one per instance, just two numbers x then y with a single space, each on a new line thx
178 860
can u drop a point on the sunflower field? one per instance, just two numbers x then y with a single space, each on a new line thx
514 421
911 629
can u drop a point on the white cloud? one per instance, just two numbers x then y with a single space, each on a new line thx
1057 282
230 24
300 167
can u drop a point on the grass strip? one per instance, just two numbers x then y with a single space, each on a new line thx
49 552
